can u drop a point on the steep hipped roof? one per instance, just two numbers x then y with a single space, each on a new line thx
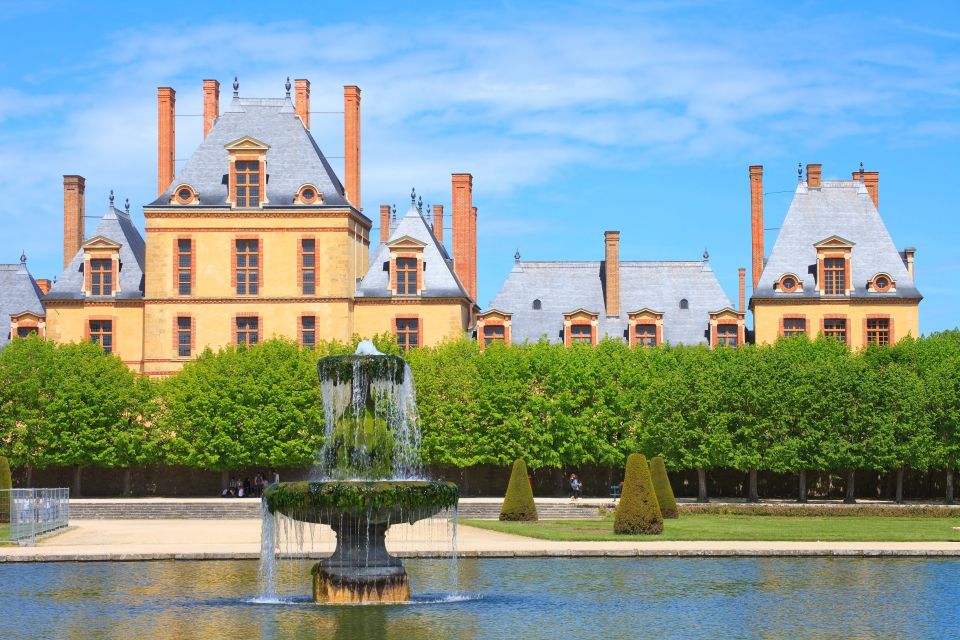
18 293
439 281
841 208
293 158
115 225
564 286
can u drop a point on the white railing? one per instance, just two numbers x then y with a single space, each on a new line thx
32 513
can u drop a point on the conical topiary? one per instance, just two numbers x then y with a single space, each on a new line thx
5 481
518 503
661 486
638 511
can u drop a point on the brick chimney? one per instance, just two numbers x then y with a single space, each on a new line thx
871 180
908 258
211 105
438 222
44 285
166 137
302 94
351 143
473 252
73 210
463 251
756 222
813 176
742 273
384 222
611 271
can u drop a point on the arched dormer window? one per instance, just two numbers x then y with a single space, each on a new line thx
684 304
537 305
789 283
184 194
881 283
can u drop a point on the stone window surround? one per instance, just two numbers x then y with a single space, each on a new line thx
644 317
727 316
494 318
580 317
176 336
419 327
28 320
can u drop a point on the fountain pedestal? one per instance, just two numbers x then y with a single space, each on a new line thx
360 569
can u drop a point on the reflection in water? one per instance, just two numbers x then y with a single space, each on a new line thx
520 598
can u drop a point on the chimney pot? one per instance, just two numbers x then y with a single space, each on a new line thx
302 105
611 270
813 176
211 105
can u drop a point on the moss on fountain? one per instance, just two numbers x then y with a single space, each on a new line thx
312 501
341 369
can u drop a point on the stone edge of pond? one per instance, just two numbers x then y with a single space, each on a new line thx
519 554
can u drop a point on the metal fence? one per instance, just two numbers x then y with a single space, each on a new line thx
27 514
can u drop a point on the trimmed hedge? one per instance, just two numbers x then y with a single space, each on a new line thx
661 486
518 504
6 482
638 510
820 511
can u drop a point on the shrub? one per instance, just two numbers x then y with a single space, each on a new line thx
518 503
5 480
661 486
638 511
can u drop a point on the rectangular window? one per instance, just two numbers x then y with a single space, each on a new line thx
835 328
308 331
184 267
184 336
408 333
247 173
494 333
308 266
834 276
581 334
248 267
248 330
794 327
878 331
23 332
407 276
101 277
727 335
645 335
101 333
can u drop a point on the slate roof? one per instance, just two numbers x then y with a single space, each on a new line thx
293 159
114 225
439 280
843 208
18 293
562 287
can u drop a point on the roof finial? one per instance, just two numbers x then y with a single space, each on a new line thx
126 205
420 204
23 257
861 173
413 197
236 87
287 86
516 256
706 255
111 198
393 213
799 172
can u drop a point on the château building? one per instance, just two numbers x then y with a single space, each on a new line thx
834 268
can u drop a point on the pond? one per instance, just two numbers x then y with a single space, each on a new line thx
508 598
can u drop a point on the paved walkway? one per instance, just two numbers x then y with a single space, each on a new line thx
90 540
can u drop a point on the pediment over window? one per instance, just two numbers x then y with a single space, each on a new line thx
645 314
834 242
727 313
406 242
495 314
581 314
100 242
246 143
26 316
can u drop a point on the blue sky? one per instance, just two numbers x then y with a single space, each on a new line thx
574 118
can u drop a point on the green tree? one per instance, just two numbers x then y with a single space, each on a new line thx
518 503
638 510
6 482
938 363
662 488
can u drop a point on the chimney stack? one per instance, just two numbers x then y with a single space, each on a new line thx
813 176
438 222
464 242
44 285
871 180
742 273
611 270
384 223
166 137
302 105
73 210
351 143
908 255
211 105
756 221
473 252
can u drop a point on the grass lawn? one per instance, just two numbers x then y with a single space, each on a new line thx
4 533
728 527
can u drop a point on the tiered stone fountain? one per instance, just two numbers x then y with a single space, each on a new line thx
370 477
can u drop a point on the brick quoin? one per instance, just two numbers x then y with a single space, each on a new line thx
73 211
166 137
756 222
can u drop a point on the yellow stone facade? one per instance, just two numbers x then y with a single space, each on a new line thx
768 318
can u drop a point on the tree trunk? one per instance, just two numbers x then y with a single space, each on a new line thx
75 492
949 497
225 480
850 499
28 478
899 494
753 495
702 486
802 486
127 481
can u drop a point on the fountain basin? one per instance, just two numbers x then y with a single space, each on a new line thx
360 569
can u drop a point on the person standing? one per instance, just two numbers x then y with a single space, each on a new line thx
575 486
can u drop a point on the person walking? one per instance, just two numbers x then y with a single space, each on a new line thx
575 486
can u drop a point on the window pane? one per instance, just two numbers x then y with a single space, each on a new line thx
309 322
183 323
308 260
308 246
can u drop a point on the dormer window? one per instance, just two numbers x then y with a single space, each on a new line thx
101 267
101 277
184 194
684 304
308 194
537 305
406 264
493 326
645 328
881 283
248 172
407 276
580 327
727 328
789 283
833 266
